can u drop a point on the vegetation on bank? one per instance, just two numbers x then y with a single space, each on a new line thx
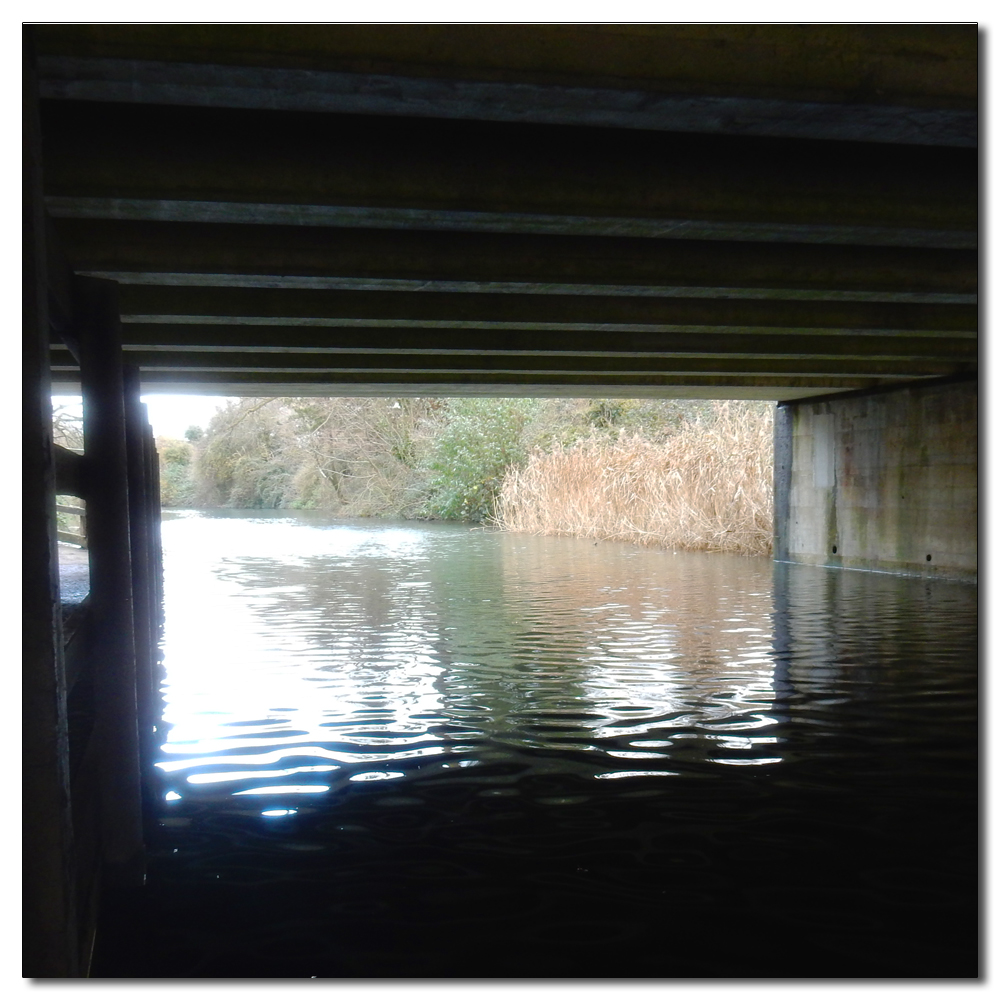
706 487
678 473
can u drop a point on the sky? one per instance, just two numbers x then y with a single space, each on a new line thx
170 415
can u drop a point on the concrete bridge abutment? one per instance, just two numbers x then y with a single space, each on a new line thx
883 480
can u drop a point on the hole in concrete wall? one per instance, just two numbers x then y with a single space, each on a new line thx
928 558
835 550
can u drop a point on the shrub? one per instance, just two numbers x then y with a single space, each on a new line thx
480 440
176 484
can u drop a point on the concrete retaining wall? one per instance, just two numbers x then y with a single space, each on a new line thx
880 481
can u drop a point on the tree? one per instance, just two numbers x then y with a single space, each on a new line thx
67 425
243 460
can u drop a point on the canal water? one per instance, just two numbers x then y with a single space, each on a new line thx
398 749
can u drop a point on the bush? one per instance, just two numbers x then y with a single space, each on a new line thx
480 440
176 483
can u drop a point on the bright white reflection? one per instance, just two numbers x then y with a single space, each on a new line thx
295 647
746 761
646 663
171 796
286 790
295 750
279 812
745 742
637 774
356 693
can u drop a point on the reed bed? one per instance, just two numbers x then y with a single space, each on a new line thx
706 488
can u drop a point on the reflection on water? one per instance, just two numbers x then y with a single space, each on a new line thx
334 653
559 753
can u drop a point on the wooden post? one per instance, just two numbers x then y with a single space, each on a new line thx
116 724
155 558
140 537
50 931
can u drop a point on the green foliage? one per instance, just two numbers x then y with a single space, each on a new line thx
386 457
480 439
176 486
604 413
405 452
176 453
176 481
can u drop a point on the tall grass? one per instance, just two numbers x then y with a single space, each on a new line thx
707 487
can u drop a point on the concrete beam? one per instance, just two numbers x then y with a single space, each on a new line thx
514 383
172 253
269 364
919 65
194 84
451 220
229 305
558 341
187 281
424 173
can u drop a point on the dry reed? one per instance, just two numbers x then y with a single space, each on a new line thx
708 487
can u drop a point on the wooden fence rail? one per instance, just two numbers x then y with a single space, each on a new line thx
69 536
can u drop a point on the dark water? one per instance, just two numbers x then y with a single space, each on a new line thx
403 750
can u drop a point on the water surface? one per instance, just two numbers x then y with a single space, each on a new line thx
410 749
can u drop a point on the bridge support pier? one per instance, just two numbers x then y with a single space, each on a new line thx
50 917
883 480
113 564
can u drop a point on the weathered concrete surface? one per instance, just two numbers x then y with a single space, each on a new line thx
916 65
647 189
882 481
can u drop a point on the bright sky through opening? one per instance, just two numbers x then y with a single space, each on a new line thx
170 415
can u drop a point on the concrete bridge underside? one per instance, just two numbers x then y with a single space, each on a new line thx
751 212
780 212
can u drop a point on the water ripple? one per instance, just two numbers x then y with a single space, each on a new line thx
301 645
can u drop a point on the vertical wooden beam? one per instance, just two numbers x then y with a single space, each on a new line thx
50 924
155 557
105 444
140 531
